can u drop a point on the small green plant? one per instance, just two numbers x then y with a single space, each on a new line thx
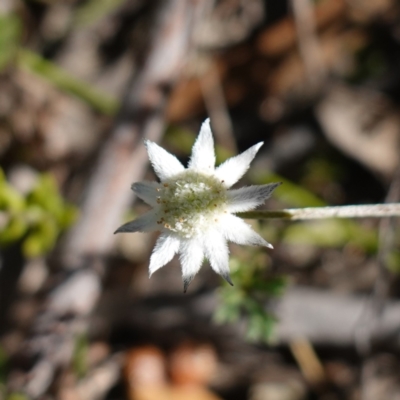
35 219
17 396
59 78
79 358
10 33
249 298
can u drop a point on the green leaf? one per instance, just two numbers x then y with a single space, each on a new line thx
68 217
230 307
288 193
37 219
272 286
49 71
10 32
93 11
331 233
49 231
45 194
14 230
260 327
253 289
33 246
226 313
10 199
42 237
392 261
79 358
17 396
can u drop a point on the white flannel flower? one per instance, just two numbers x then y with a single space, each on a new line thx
194 209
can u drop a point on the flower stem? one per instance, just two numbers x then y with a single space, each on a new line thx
353 211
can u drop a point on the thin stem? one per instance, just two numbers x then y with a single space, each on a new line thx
356 211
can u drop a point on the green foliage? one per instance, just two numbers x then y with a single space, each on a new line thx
323 233
254 287
289 193
17 396
79 358
37 218
392 261
93 11
10 32
260 324
331 233
33 62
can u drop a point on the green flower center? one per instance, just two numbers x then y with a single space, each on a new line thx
191 202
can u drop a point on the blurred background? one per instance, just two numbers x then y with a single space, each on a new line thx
83 83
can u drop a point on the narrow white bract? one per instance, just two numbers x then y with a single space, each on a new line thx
193 208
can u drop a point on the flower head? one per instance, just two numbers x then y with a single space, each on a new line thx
194 208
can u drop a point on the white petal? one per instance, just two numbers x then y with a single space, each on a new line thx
234 229
234 168
164 250
147 191
191 257
165 164
203 155
217 252
248 198
146 223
